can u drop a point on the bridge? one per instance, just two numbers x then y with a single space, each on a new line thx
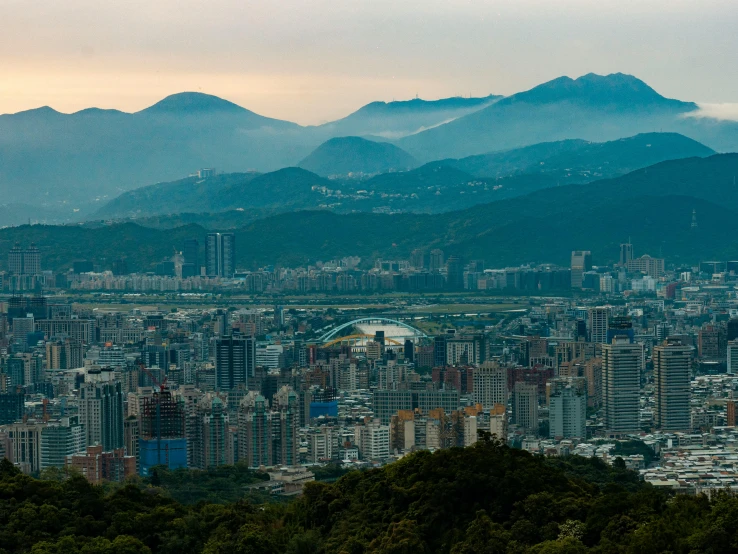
371 320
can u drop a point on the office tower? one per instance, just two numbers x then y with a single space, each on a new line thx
672 372
581 261
662 331
621 385
626 253
61 439
101 413
436 260
285 427
235 361
24 261
599 319
417 259
525 406
409 350
191 263
454 273
209 432
255 431
653 267
11 407
439 350
220 255
162 433
733 357
567 407
490 385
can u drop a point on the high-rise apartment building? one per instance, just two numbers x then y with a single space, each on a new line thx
436 260
235 361
490 385
162 432
417 259
672 373
567 407
209 432
255 430
285 427
220 255
525 406
454 273
621 385
101 412
24 261
581 261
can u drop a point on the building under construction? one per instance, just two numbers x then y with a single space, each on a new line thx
162 441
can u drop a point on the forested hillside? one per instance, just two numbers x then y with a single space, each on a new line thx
484 499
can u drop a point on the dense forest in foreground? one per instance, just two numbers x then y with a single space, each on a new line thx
485 499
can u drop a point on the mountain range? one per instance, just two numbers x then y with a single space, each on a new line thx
82 160
653 206
434 187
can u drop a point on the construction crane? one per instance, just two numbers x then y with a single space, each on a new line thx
162 386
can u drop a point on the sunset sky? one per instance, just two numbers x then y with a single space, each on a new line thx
311 61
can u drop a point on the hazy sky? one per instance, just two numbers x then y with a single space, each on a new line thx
314 60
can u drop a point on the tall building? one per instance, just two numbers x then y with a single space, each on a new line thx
255 431
490 385
599 319
162 433
672 373
25 442
653 267
101 412
191 262
732 329
285 427
436 260
621 385
454 273
209 432
733 356
581 261
61 439
525 406
11 407
417 259
235 361
24 261
567 407
220 255
626 253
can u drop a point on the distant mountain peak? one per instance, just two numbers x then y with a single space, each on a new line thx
613 89
193 102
